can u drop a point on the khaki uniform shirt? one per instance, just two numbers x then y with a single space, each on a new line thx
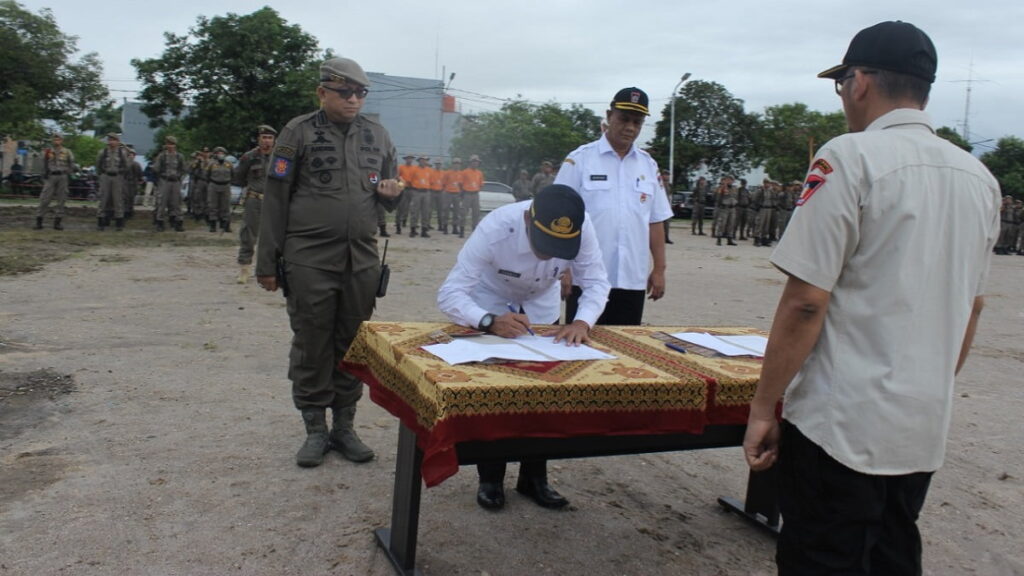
219 172
898 226
62 161
320 197
170 167
251 172
111 164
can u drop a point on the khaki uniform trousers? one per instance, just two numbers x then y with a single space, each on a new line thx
110 197
250 231
325 309
55 189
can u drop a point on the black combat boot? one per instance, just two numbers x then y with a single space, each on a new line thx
316 445
159 225
423 233
462 231
101 223
444 229
179 226
384 231
730 242
225 225
213 225
412 232
343 437
56 224
398 227
39 223
119 224
719 241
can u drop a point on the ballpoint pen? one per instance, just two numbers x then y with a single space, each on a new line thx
676 347
512 309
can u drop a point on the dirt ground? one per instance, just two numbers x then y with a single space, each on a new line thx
146 428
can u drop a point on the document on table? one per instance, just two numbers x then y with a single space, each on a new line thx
525 348
727 345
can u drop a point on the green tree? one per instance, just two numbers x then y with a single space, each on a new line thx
38 78
522 135
712 129
789 135
229 74
954 137
103 120
1006 163
85 148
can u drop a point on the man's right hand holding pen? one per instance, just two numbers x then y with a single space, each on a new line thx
510 325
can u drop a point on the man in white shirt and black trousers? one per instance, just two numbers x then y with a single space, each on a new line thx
508 275
620 186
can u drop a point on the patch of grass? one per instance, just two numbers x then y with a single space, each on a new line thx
24 250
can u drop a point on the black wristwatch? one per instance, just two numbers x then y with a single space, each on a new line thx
486 322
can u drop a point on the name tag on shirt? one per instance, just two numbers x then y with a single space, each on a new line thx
509 273
598 177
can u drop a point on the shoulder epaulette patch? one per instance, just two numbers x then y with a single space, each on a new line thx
284 152
822 166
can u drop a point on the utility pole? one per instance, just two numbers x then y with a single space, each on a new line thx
672 132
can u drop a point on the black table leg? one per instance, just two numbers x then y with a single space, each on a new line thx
762 503
399 541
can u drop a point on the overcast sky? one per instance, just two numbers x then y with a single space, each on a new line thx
763 52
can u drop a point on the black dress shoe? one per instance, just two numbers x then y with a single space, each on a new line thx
491 495
541 492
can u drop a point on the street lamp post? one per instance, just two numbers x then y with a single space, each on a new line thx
672 133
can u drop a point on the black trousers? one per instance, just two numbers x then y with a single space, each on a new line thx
495 471
624 307
840 521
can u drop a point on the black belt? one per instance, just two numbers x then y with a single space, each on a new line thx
221 183
113 173
56 173
171 179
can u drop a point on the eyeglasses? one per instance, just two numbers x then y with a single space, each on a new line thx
347 93
839 81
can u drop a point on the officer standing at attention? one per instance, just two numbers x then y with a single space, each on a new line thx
542 179
329 171
58 163
251 175
170 169
451 202
516 259
726 198
436 190
699 198
132 179
419 200
219 173
405 172
619 184
521 189
111 164
472 183
742 210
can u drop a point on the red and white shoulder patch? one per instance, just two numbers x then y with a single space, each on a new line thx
811 186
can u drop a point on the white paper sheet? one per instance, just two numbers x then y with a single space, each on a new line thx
524 348
742 345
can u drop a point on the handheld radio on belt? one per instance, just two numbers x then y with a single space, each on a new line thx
385 274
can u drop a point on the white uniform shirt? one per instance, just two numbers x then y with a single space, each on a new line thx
623 197
898 225
496 267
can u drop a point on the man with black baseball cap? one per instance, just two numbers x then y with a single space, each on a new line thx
887 254
509 274
620 184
